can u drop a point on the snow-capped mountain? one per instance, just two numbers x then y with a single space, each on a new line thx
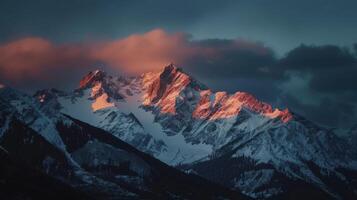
168 113
90 159
234 139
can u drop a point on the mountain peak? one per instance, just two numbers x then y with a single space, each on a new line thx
171 68
92 77
170 71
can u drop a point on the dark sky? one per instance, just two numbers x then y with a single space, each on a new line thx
281 24
299 54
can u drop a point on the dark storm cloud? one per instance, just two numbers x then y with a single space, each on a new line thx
327 112
314 58
333 68
233 59
338 80
331 87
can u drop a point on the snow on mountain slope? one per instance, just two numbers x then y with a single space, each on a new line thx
177 150
116 105
290 147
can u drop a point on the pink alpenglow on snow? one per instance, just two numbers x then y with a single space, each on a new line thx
163 90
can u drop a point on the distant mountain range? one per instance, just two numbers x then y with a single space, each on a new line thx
165 135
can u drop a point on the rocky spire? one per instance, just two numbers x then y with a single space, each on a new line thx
91 78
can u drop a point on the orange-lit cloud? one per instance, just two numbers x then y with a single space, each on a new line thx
145 52
37 57
40 59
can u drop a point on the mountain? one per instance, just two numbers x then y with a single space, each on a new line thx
21 181
232 139
84 159
166 113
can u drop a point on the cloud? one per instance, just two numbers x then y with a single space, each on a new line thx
39 58
233 59
310 57
327 112
332 68
31 58
320 82
150 51
140 53
33 62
